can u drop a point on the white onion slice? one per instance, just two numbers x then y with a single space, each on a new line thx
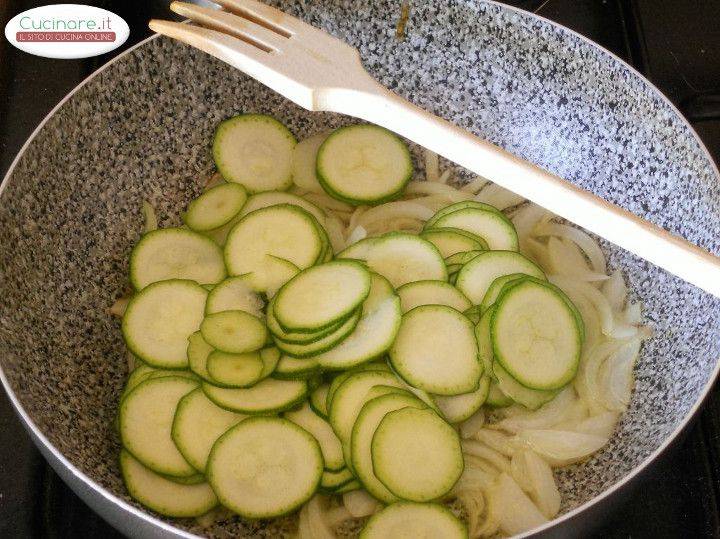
582 239
515 510
118 308
561 447
393 210
359 503
359 233
434 188
482 451
498 197
328 203
542 487
602 424
496 440
336 516
149 216
471 425
474 185
615 291
616 376
557 410
334 228
432 166
355 217
445 176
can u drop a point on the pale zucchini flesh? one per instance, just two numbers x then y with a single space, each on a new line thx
160 319
197 424
163 495
273 198
363 164
329 342
255 151
280 467
235 332
318 400
146 417
291 368
529 398
495 287
535 335
296 337
267 396
458 408
408 520
322 432
175 253
234 370
234 294
496 398
431 293
476 276
216 207
363 430
304 163
464 204
331 481
436 350
404 444
321 296
491 225
450 241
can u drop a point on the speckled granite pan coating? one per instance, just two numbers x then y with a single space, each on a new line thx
142 129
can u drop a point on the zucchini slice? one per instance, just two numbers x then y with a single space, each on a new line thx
410 520
304 163
491 225
234 370
340 378
273 198
295 337
536 336
374 333
175 253
400 257
450 241
473 313
159 320
284 231
476 276
267 396
529 398
458 408
431 293
464 204
198 423
216 207
234 294
435 350
363 164
329 341
145 372
318 400
321 296
265 467
331 481
403 445
254 150
484 342
236 332
270 357
495 287
272 273
163 495
322 432
290 368
363 430
146 417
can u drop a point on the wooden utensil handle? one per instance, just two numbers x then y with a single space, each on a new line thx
376 104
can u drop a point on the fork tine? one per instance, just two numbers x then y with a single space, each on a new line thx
264 15
225 47
232 24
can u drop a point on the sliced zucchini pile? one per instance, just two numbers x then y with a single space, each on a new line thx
271 369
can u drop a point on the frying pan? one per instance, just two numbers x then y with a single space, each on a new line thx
139 129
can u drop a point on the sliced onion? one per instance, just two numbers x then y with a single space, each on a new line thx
474 185
118 308
527 218
616 376
582 239
149 216
601 425
516 512
562 408
476 476
496 440
445 176
336 516
499 197
518 471
542 487
355 216
471 425
615 291
589 374
561 447
432 202
132 361
401 224
434 188
482 451
474 505
566 259
536 251
633 314
355 236
393 210
334 229
212 181
432 166
214 515
328 203
359 503
610 327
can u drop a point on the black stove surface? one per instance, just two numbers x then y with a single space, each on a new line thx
675 43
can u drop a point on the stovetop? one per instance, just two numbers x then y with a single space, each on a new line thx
675 43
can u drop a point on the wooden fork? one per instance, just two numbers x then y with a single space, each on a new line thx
319 72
